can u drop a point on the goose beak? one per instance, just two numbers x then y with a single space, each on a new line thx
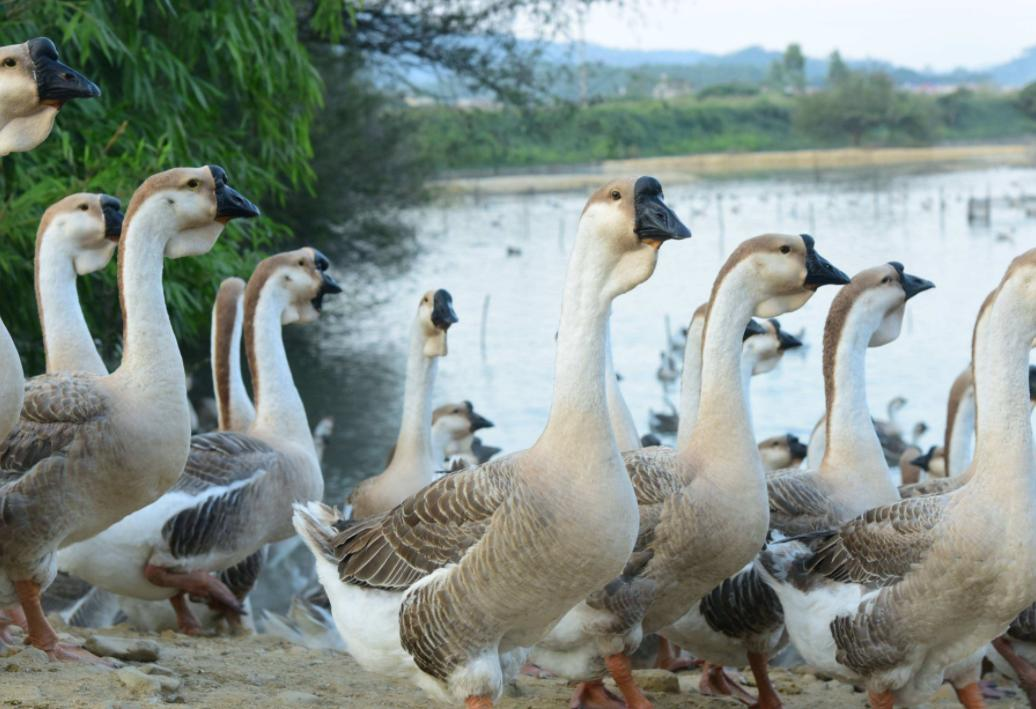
443 314
478 422
1032 383
754 328
56 82
798 448
820 271
230 204
654 221
923 461
786 341
111 208
328 284
912 285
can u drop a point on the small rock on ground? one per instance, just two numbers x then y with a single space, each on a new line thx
657 681
127 649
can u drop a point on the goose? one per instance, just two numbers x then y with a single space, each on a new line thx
77 235
452 439
782 452
740 618
89 450
453 433
961 417
909 594
413 463
235 494
702 506
667 372
34 85
889 434
450 587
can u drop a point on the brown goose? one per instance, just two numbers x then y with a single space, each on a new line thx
413 463
702 507
77 235
34 85
741 619
236 491
449 588
89 450
909 594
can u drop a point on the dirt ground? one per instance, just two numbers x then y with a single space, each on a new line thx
262 671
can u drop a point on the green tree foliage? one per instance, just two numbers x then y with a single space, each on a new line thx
795 68
862 105
184 83
837 71
1027 100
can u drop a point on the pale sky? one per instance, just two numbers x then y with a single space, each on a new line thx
941 34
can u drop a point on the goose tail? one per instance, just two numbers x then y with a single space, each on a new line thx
314 521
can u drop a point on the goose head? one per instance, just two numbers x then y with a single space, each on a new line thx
876 298
765 342
195 202
933 462
626 222
84 228
779 452
34 85
785 270
298 280
1017 292
435 314
457 421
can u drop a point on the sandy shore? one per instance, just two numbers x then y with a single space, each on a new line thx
687 168
261 671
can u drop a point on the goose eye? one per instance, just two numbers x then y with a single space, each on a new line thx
785 249
887 279
193 183
616 195
10 61
302 262
84 207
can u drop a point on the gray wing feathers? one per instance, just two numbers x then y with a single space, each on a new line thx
798 505
743 606
227 472
880 546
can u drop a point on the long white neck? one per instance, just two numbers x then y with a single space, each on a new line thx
749 359
234 407
853 461
279 408
151 361
414 449
724 427
1003 450
12 383
621 419
690 382
960 434
67 341
578 420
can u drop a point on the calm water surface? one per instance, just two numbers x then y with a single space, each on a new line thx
351 365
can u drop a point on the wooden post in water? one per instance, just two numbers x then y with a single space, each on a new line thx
482 327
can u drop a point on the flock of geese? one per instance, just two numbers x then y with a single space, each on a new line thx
559 558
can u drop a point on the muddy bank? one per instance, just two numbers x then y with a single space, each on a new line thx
686 168
261 671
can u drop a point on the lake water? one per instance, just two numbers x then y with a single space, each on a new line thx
351 365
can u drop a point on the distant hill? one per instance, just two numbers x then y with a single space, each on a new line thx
1016 72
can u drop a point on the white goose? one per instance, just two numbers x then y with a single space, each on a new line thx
236 491
908 594
451 586
413 464
741 619
88 450
33 87
702 507
77 235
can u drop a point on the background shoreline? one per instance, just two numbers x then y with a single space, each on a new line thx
688 168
